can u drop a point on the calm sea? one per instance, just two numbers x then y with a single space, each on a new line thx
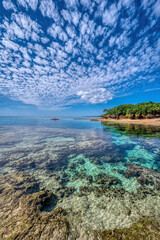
104 176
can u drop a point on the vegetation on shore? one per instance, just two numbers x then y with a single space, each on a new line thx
137 111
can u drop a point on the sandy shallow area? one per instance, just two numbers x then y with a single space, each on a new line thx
154 121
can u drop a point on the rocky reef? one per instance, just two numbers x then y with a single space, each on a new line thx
145 229
24 210
144 175
28 211
78 185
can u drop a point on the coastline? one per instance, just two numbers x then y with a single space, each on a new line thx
154 121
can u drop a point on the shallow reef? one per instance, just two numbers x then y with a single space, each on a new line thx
144 175
78 184
23 210
26 212
145 229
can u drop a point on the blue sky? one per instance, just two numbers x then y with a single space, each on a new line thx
77 57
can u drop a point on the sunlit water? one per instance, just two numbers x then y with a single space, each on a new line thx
88 166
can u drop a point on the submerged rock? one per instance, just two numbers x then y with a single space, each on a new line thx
27 213
80 161
89 178
121 171
106 181
69 191
145 229
85 190
144 175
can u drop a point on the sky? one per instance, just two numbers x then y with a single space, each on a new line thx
77 57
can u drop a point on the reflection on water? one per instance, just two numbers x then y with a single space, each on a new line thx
86 178
133 129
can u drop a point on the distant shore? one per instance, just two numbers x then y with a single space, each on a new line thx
153 121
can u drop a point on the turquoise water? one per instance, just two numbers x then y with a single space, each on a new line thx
87 165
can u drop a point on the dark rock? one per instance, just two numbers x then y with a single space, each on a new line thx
99 192
145 229
89 178
85 190
120 171
72 165
106 180
81 161
144 175
64 175
69 191
97 161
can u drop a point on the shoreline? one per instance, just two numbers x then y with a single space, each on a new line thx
154 121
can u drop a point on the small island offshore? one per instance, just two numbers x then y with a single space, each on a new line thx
141 113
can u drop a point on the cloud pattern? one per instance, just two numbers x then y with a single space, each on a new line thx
60 53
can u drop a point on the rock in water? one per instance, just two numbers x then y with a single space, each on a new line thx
23 210
144 175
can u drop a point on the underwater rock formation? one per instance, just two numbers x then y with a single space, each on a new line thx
145 229
79 186
144 175
26 213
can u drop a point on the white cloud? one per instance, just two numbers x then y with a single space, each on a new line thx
71 32
9 44
101 7
29 3
75 16
83 27
156 8
8 5
66 15
71 3
69 46
26 23
47 8
86 3
112 41
54 30
110 15
44 40
67 56
98 95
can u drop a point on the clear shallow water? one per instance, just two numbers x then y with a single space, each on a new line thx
105 176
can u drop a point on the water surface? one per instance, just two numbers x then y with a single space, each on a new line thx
106 176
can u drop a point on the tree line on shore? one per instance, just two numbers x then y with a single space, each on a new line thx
137 111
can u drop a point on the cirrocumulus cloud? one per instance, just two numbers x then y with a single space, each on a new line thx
63 52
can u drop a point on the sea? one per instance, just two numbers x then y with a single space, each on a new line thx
104 176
